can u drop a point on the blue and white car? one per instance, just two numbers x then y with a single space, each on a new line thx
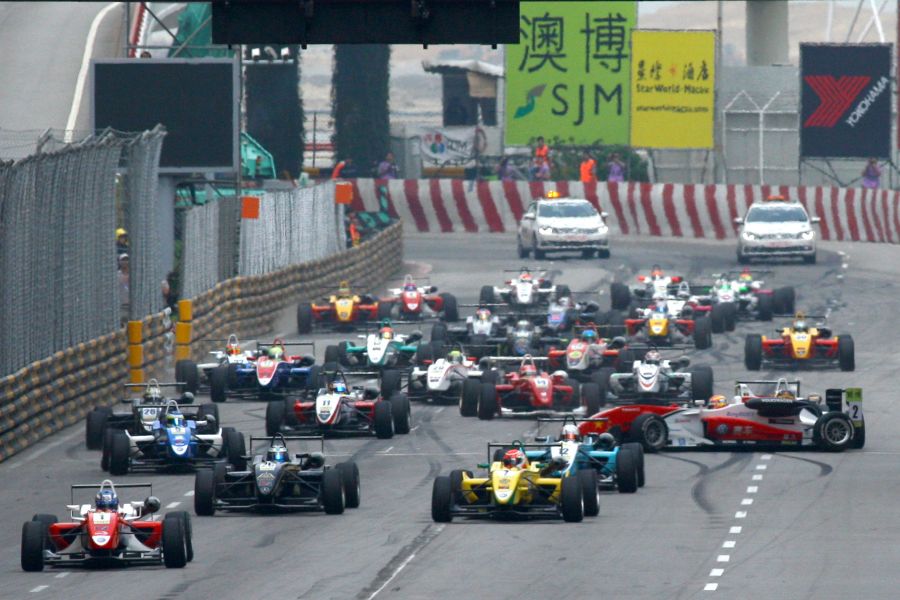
174 442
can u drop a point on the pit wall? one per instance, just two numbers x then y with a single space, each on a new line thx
663 210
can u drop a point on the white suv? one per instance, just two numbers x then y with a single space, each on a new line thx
563 225
776 228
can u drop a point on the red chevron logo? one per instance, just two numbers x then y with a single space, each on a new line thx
835 97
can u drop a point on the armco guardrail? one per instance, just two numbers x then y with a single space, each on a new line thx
667 210
61 389
250 305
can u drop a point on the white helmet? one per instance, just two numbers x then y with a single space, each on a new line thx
570 433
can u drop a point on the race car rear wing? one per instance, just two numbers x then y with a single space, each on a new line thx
286 438
264 345
97 486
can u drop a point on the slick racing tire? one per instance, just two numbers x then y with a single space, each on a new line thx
186 373
702 333
846 353
521 250
350 477
383 421
304 318
441 500
626 471
590 398
47 520
619 296
209 408
218 383
106 448
717 318
334 498
753 352
650 431
486 296
563 291
833 432
765 307
784 300
384 310
400 411
95 425
188 531
174 544
730 316
701 382
638 452
456 479
332 355
313 377
438 333
451 312
390 382
589 491
487 402
119 453
426 351
468 401
235 448
205 493
275 410
601 378
572 500
34 535
859 437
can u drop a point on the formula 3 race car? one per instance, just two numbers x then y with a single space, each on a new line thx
174 442
514 487
342 310
735 296
761 414
277 480
339 409
108 533
384 349
445 378
196 376
417 302
655 326
657 378
525 291
654 284
800 344
588 357
267 373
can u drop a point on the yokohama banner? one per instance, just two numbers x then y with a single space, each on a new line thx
845 100
654 209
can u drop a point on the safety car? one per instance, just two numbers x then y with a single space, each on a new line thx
555 224
776 228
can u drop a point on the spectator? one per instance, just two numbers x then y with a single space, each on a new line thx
123 275
588 168
387 169
344 169
615 168
541 170
542 151
353 231
871 175
507 171
146 54
121 241
170 290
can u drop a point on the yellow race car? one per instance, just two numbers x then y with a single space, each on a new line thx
341 310
514 487
800 344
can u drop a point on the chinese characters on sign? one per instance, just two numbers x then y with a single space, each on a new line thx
672 89
568 77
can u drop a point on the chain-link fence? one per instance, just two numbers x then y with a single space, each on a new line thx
58 271
147 269
294 226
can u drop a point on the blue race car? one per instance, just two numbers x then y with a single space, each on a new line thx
266 374
174 442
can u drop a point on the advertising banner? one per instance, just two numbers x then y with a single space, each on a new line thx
845 100
567 78
456 146
672 89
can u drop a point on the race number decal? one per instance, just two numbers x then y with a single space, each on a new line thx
149 413
101 518
854 405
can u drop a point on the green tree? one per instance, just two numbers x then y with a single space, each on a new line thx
359 94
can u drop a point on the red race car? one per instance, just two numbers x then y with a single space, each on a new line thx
342 310
107 533
529 390
415 302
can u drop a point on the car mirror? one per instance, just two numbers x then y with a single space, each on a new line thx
815 220
151 504
739 221
528 216
211 419
618 342
604 215
484 465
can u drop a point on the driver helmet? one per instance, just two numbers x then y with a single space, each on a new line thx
339 387
483 314
745 275
344 288
661 306
606 441
589 336
153 393
800 325
656 271
524 325
232 349
174 419
455 356
277 453
409 286
570 433
515 459
525 275
564 302
386 333
652 357
717 401
106 500
276 352
528 369
785 394
683 294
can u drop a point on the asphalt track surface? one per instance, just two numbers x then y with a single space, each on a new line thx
793 524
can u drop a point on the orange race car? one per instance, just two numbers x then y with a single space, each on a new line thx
341 310
800 344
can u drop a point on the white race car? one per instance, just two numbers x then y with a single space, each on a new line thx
526 290
445 379
660 379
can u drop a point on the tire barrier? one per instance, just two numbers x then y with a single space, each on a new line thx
59 391
661 210
249 305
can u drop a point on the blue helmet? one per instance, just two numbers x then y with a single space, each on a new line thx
107 500
339 387
277 454
589 335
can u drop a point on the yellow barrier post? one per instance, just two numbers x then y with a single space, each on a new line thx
135 351
183 330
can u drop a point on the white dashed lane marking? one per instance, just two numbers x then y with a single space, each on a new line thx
710 587
736 529
752 489
761 467
741 514
757 477
723 558
746 501
172 504
61 575
716 572
39 588
728 544
189 493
